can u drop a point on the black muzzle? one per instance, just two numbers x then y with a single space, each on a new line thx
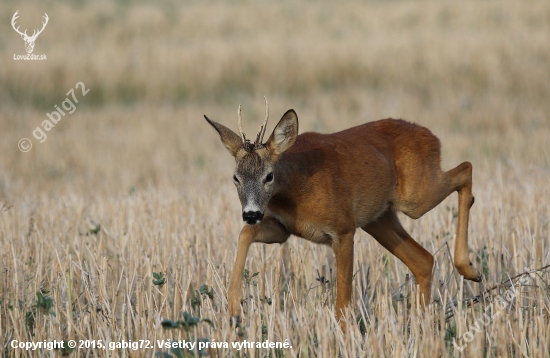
252 217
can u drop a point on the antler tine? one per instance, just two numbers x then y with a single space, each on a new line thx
13 20
44 23
241 125
262 130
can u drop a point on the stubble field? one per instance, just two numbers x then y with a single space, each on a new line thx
126 216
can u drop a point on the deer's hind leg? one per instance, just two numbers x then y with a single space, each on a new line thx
461 180
387 230
429 191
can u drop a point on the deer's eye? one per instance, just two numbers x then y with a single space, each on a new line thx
269 177
236 180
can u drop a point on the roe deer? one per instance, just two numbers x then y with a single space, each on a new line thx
321 187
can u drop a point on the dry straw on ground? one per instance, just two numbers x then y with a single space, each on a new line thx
135 182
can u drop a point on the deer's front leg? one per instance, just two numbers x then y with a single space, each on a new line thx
343 251
268 231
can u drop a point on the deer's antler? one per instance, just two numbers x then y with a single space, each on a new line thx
263 128
241 133
44 23
35 33
259 137
13 20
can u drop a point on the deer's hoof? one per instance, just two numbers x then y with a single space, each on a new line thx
235 321
478 278
469 272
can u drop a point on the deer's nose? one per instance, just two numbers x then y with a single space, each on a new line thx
252 217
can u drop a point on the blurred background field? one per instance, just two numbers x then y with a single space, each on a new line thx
135 181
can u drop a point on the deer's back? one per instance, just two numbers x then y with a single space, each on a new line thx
351 177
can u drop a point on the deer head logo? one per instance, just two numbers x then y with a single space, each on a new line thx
29 40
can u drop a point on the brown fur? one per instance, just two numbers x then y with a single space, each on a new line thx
327 185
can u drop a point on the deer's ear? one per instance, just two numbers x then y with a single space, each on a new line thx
230 139
284 134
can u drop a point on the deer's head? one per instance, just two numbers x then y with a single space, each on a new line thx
29 40
254 174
